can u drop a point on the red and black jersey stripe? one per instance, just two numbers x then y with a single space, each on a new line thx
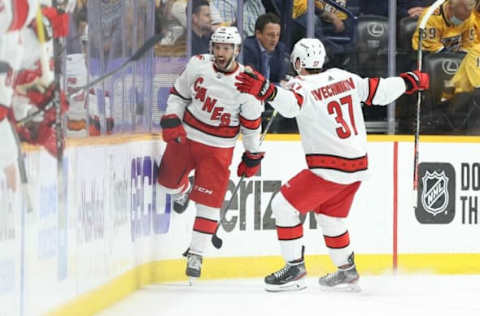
219 131
372 89
251 124
337 242
290 233
175 92
205 225
318 161
299 98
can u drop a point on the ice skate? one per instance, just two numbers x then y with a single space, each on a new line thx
181 200
345 278
194 265
289 278
341 279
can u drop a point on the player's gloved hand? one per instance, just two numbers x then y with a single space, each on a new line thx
41 134
254 83
250 164
58 20
47 138
416 81
172 129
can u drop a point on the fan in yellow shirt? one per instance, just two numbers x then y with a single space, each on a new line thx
326 12
445 27
467 77
472 37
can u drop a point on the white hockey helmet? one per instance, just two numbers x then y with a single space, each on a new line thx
310 52
226 35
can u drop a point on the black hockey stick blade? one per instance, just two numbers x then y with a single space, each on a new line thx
217 241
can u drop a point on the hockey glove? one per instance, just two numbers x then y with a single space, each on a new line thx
172 129
254 83
250 164
415 81
58 20
41 134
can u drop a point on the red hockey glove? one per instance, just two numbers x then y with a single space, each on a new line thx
254 83
58 20
41 98
41 134
416 81
47 138
250 164
172 129
3 112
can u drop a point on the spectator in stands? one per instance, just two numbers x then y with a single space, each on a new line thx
463 105
264 52
171 19
445 27
201 27
412 8
299 16
471 38
462 96
334 21
377 7
252 9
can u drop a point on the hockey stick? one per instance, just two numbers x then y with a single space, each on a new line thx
22 170
138 54
421 31
46 79
217 241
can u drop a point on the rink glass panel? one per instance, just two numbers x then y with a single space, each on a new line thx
135 98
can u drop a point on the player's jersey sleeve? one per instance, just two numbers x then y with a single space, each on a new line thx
379 91
289 100
181 92
15 14
250 118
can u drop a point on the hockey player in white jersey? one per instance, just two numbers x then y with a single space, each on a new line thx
14 16
205 115
327 107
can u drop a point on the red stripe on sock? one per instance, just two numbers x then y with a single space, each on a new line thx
204 225
337 242
290 233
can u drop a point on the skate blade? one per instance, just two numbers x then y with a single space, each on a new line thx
349 288
289 287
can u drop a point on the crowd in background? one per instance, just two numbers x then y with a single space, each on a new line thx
355 33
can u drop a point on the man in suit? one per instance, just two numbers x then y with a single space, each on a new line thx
264 52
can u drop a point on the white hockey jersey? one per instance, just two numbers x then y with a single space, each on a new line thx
16 14
213 111
327 107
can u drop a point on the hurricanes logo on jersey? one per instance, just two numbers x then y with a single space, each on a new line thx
209 104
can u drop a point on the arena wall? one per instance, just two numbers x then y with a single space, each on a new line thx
119 233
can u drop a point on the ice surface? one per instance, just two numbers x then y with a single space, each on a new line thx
405 295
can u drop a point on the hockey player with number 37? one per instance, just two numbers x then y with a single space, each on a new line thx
327 107
205 114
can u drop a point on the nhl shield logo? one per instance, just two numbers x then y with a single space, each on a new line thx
435 192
